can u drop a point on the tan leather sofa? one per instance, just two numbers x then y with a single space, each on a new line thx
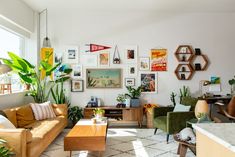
32 137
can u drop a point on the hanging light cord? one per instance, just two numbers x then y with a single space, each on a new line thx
45 10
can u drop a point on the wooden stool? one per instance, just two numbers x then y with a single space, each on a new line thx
5 87
183 146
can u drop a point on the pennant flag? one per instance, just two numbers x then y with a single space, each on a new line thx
94 47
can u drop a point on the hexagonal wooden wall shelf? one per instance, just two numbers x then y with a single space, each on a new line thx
199 62
184 53
184 72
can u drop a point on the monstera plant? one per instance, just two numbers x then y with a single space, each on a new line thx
29 74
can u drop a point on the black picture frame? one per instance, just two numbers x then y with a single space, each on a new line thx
75 84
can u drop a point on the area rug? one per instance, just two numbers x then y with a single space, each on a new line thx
123 143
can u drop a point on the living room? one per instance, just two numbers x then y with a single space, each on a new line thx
108 53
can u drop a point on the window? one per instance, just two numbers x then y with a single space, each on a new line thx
10 42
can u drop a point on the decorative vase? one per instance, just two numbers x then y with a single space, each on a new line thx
135 102
127 102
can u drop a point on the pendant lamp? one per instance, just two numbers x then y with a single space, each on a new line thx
46 40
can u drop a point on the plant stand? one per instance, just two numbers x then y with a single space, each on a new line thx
149 117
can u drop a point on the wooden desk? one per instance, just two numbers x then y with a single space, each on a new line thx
84 136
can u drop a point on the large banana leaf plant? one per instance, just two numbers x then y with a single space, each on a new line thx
39 88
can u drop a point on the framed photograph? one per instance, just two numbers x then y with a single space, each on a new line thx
77 71
131 54
129 81
89 60
132 70
158 60
144 63
71 55
104 78
77 86
58 58
148 81
104 58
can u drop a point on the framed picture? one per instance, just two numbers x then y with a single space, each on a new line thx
144 63
148 81
159 60
131 54
71 55
58 58
77 71
89 60
132 70
77 86
104 58
104 78
129 82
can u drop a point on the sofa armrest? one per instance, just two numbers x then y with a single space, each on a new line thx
16 139
176 121
60 109
161 111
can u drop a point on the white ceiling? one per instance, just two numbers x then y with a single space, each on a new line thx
133 5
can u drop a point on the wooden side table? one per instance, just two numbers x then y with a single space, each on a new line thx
5 87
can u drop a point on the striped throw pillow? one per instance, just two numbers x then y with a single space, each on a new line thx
42 111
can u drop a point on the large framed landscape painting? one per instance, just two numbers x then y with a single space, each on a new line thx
104 78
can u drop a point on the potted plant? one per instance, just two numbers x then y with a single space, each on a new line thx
232 84
184 92
74 114
121 99
134 94
5 151
39 85
98 112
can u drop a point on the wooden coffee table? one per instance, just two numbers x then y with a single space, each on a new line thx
86 136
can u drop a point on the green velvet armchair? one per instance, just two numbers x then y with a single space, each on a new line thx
172 122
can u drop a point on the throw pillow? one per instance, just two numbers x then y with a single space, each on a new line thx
181 108
43 110
24 115
5 123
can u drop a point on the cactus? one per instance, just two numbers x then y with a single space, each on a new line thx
173 95
184 92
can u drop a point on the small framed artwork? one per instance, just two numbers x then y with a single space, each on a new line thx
58 58
71 55
131 54
77 71
129 81
89 60
77 86
104 58
132 70
148 82
144 63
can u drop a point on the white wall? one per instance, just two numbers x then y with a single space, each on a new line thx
17 16
214 33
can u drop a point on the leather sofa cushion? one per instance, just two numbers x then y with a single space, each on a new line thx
40 128
60 109
11 115
24 115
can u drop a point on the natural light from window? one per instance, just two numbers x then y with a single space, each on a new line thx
10 42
